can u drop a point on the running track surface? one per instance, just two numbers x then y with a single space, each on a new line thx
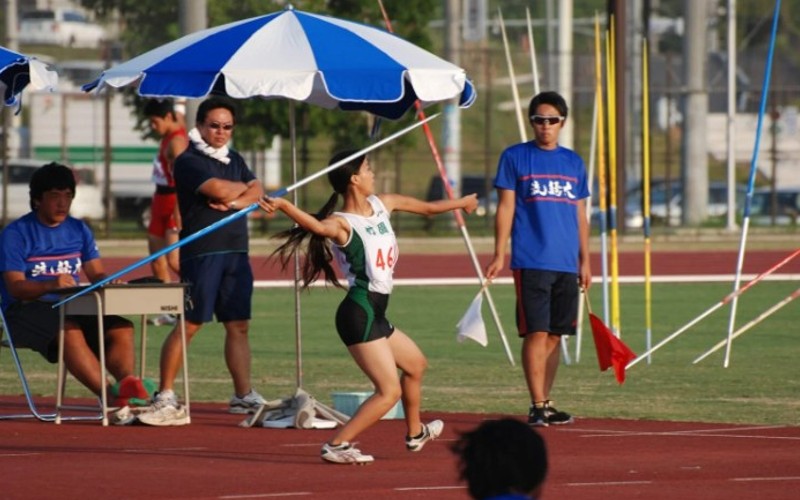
213 458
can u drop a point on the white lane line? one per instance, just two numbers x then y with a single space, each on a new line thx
267 495
752 479
430 488
693 434
685 278
152 450
612 483
4 455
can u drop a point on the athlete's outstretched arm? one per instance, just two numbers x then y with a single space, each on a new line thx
404 203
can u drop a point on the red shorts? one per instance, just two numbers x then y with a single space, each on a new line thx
162 214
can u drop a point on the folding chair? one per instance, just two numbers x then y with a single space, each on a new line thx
7 340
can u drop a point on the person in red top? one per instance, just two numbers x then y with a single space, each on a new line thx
164 216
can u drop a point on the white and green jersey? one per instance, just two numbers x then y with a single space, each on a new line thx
370 254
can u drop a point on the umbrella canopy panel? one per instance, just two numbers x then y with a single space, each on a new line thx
18 71
301 56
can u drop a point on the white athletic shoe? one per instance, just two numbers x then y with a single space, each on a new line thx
164 319
248 403
165 411
430 431
344 453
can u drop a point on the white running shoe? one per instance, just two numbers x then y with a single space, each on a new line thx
248 403
165 411
123 416
344 453
430 431
164 319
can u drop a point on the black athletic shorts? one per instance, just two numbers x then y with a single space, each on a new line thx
361 317
34 325
547 301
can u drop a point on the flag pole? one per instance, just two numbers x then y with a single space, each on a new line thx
241 213
458 216
601 165
648 309
612 177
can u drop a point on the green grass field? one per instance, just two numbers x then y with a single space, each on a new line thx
760 386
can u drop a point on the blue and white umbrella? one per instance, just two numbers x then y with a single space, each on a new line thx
18 71
296 55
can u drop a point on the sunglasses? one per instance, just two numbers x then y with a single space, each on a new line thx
549 120
216 126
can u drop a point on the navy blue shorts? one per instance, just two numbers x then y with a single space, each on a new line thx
219 284
361 317
547 301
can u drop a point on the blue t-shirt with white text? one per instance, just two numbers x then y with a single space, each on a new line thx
548 185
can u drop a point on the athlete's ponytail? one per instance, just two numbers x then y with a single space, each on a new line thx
319 254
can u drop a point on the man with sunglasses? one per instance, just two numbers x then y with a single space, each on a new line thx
542 192
212 180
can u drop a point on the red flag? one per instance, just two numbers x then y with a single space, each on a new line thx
611 351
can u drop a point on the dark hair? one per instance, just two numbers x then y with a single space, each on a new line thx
548 97
212 103
319 254
501 457
50 176
159 107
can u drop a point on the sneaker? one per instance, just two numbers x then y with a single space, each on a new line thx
537 416
344 453
164 319
123 416
430 431
555 417
165 411
248 403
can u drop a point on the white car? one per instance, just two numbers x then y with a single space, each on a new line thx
88 202
62 27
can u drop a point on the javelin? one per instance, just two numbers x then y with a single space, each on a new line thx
241 213
758 319
721 303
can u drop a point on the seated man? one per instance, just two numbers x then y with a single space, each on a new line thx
46 250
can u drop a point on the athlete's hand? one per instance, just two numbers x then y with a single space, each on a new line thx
494 267
271 205
470 202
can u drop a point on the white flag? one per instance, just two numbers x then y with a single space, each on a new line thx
471 325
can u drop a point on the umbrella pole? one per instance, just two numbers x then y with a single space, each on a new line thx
301 410
296 200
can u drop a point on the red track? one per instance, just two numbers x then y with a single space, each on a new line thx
213 458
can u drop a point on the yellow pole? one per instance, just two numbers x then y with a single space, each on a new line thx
646 194
612 176
601 163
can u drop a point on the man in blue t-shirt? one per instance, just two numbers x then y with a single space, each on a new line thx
542 196
46 250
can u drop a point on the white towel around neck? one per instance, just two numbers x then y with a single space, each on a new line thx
220 154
